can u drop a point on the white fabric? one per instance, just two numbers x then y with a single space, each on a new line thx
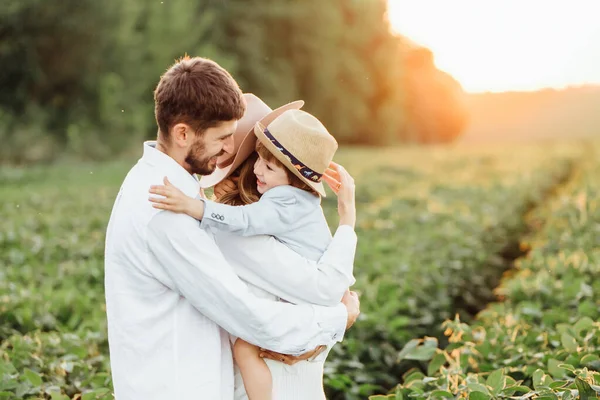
303 380
321 284
300 381
169 291
298 280
295 218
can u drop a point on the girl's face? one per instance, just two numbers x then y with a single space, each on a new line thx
269 175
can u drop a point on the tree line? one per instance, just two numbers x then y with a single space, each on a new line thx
78 75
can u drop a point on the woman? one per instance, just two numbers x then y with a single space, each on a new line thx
236 184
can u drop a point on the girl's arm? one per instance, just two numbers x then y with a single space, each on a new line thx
277 211
175 200
280 209
293 277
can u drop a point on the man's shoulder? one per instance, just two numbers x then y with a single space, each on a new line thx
168 225
169 234
168 221
134 192
143 174
139 176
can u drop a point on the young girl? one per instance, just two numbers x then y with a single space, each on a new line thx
293 156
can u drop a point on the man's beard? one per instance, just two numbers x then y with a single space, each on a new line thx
200 163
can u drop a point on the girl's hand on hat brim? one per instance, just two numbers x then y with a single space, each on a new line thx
332 182
342 184
332 177
332 171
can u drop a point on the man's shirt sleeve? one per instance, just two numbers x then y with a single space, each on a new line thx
292 277
197 270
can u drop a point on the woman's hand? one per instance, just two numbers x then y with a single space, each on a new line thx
227 185
342 184
175 200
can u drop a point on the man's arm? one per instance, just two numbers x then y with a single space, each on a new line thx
275 212
289 275
198 271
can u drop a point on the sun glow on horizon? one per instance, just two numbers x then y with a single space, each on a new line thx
506 45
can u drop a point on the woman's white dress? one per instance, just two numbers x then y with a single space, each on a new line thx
309 236
301 381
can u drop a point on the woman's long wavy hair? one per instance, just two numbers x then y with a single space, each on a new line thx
245 191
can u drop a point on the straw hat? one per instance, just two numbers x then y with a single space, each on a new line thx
244 141
301 142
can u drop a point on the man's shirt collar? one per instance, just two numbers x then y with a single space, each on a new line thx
178 176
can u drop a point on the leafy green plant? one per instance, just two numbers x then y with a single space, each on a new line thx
543 339
433 224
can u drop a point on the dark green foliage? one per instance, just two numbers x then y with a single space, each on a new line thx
79 75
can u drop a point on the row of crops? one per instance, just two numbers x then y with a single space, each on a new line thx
53 340
437 229
542 338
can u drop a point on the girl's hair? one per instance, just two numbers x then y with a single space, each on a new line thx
294 180
245 191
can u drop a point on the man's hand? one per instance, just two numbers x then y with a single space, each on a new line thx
350 300
291 360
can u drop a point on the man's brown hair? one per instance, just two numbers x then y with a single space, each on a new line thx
198 92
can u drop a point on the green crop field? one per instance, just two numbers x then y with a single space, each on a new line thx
477 266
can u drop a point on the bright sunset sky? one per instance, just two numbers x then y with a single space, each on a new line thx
500 45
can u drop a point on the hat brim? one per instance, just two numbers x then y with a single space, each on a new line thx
247 147
259 131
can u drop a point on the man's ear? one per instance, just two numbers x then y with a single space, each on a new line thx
180 134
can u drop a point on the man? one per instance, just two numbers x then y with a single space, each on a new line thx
171 297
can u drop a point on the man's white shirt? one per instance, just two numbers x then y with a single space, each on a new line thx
172 297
